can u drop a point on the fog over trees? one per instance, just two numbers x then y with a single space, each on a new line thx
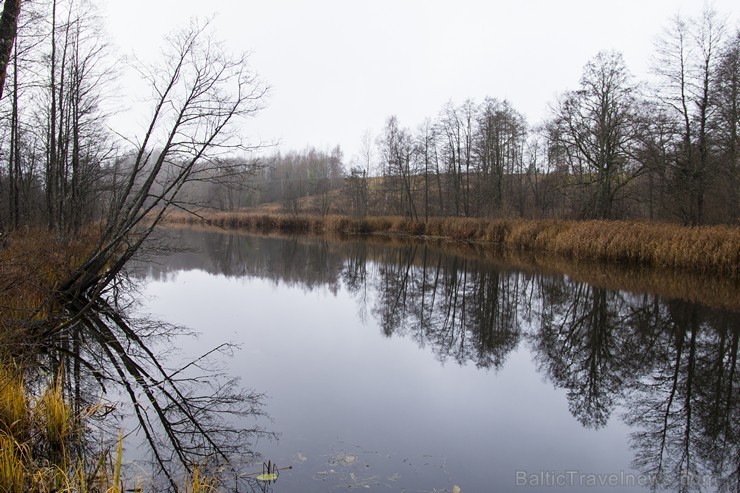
612 147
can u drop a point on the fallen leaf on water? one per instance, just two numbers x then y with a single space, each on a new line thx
266 477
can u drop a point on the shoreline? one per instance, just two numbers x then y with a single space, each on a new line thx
711 250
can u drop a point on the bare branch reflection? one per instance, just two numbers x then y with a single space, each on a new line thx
191 415
667 368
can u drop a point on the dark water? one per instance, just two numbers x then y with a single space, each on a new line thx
402 368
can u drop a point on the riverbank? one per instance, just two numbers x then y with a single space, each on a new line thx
706 249
46 409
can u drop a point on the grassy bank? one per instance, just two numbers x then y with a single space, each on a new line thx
32 264
707 249
45 445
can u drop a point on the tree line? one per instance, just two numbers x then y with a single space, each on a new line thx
613 147
64 166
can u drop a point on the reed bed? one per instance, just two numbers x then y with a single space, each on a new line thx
35 432
704 249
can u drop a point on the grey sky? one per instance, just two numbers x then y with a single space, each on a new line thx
338 68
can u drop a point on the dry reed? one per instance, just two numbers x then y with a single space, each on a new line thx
14 412
705 249
45 424
13 460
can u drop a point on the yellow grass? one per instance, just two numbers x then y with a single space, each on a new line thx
13 460
199 483
116 486
29 458
14 409
56 414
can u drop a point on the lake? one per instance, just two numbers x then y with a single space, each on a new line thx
391 366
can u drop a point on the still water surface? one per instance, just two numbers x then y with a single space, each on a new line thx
401 368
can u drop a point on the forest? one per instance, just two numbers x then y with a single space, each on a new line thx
611 148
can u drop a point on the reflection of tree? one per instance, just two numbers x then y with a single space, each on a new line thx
394 293
293 261
672 365
685 410
460 308
717 396
355 275
182 412
586 344
496 299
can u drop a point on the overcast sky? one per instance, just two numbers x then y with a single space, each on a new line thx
339 68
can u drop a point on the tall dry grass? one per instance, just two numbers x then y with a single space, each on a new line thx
28 426
33 427
705 249
32 264
56 414
13 460
14 406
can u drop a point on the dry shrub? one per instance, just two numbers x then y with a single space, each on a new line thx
340 224
496 231
32 264
434 227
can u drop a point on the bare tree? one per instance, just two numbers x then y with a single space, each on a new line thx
426 153
725 121
199 94
499 141
596 129
456 128
687 56
396 150
78 144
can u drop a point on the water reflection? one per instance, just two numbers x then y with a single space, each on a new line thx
460 309
683 406
667 368
185 413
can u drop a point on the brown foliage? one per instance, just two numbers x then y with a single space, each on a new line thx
32 264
